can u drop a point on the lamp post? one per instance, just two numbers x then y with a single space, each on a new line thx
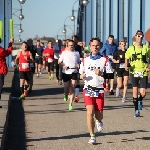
20 27
84 2
21 1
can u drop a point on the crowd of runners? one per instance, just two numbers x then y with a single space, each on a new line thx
96 64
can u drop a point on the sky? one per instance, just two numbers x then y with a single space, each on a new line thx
44 17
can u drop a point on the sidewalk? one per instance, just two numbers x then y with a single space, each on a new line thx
50 126
4 101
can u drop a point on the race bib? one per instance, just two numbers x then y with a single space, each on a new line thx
92 93
138 74
122 65
50 60
25 65
110 56
109 70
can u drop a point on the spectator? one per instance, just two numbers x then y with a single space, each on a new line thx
3 66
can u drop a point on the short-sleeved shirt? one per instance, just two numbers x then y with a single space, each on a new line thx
70 59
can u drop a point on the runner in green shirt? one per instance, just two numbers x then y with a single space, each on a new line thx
138 64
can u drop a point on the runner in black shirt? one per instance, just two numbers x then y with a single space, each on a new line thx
122 74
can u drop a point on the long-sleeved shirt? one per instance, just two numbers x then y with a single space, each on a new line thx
3 54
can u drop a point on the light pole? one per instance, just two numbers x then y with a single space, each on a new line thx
84 2
20 27
65 31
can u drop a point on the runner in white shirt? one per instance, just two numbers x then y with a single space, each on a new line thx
91 70
70 60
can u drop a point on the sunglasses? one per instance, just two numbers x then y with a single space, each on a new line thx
123 44
141 36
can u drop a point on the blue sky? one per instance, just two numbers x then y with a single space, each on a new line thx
44 17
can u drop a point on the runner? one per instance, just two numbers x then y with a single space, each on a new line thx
122 74
32 50
57 49
91 70
63 48
69 60
108 49
49 58
137 54
79 49
3 66
38 58
24 57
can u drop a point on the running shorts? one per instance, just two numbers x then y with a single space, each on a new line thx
97 102
136 80
68 77
24 75
121 72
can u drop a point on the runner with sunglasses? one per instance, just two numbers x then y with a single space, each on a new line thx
139 67
122 74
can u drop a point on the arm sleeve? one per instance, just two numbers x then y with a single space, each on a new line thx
5 53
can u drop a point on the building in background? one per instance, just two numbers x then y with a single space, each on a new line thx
122 18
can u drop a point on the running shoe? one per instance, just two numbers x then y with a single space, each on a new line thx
37 75
106 89
0 106
22 97
99 125
52 77
40 72
70 107
76 99
137 113
124 99
65 97
111 92
49 77
92 140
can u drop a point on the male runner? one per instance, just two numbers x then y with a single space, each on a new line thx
139 65
49 58
24 57
91 70
69 60
108 49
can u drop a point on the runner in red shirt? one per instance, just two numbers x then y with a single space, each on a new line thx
24 57
49 58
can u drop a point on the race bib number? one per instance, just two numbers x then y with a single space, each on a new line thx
110 56
50 60
25 65
92 93
122 65
138 74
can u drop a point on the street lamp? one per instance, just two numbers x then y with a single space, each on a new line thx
20 27
84 2
21 1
